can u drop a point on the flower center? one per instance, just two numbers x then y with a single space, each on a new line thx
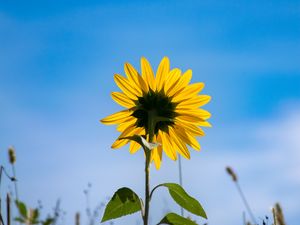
159 105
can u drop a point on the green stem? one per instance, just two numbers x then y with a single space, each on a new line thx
150 132
147 187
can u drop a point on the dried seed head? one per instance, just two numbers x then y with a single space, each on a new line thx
11 155
231 173
279 214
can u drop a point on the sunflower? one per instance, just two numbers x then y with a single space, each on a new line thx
170 98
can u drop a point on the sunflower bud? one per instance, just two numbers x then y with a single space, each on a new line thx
11 155
231 173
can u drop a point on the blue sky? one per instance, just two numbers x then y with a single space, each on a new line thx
56 74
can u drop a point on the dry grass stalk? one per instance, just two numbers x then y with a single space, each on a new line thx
8 209
233 175
77 218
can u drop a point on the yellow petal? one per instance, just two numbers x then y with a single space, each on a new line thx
154 140
118 117
183 83
161 74
132 130
194 102
193 115
191 119
178 144
134 147
158 158
156 153
172 79
167 146
119 143
186 78
193 129
122 99
187 138
126 87
135 78
123 126
147 73
203 124
190 91
129 131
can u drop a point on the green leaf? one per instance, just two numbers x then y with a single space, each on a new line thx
22 209
35 214
21 220
174 219
124 202
48 221
184 200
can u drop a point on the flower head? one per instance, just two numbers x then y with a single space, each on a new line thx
167 99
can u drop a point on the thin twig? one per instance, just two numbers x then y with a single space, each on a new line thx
1 219
15 183
244 218
180 180
2 169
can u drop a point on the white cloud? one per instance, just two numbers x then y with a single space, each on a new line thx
268 170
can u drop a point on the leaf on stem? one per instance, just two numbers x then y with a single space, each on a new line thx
34 216
184 200
48 221
22 209
20 220
174 219
123 202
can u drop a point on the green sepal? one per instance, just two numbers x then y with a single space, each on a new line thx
174 219
142 141
123 202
